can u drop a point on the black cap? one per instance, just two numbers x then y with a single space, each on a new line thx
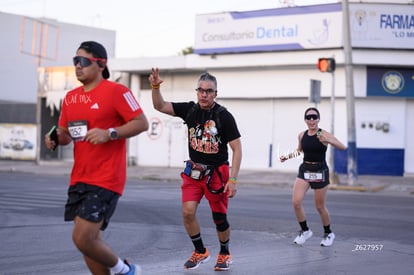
98 51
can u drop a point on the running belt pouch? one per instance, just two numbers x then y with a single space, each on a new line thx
313 167
194 170
314 172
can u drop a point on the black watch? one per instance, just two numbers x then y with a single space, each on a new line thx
113 134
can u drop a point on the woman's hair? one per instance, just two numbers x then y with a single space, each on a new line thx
312 109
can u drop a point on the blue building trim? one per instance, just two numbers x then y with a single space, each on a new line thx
258 48
287 11
371 161
390 82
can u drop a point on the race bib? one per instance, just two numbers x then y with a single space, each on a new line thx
78 129
314 176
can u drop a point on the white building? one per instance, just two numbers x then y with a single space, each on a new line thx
264 62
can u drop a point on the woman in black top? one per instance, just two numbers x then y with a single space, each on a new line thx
313 173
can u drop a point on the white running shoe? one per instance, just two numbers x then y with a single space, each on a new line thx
328 239
303 236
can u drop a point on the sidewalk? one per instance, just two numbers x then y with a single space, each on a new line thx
372 184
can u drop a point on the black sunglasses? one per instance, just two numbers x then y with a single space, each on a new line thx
86 61
201 90
313 117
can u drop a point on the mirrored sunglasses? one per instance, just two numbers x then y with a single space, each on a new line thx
86 61
312 116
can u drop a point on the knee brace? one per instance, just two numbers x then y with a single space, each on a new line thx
221 222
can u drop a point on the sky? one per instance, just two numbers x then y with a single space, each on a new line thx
143 28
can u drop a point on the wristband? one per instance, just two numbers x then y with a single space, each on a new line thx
232 180
155 87
291 155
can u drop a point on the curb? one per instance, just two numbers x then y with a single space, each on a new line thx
359 188
368 184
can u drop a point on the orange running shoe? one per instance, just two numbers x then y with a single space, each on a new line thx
223 262
196 259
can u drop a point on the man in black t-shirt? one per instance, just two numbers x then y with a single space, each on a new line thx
211 128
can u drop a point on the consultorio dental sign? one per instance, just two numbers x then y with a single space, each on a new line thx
307 27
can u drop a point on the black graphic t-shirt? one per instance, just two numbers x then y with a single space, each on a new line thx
209 132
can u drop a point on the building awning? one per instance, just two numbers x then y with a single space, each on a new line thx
54 100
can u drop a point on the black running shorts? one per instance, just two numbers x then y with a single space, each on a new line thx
91 203
316 184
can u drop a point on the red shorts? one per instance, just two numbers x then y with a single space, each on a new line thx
194 190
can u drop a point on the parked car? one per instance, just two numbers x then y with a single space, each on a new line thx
18 144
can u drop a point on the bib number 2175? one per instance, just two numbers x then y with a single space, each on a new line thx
314 176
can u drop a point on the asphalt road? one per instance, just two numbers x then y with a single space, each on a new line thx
375 232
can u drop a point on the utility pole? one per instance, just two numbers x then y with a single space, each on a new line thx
332 174
328 65
350 102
